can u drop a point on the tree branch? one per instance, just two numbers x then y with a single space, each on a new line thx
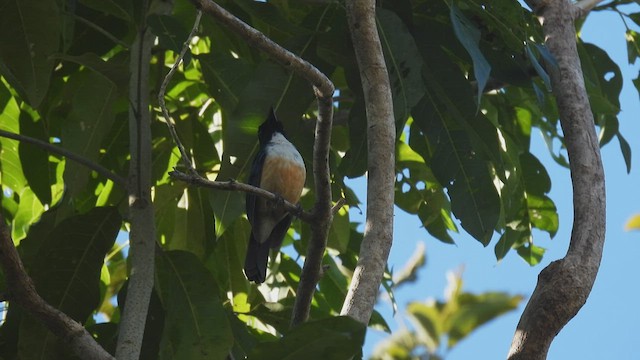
141 214
117 179
381 135
196 179
22 292
564 286
323 88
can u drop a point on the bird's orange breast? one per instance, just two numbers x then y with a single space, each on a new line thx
283 177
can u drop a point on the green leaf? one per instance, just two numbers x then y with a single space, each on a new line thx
543 213
65 268
277 315
509 238
354 162
30 34
334 284
378 322
404 64
474 198
531 254
626 151
338 337
535 175
196 325
633 45
87 124
227 260
339 231
11 173
428 323
225 75
29 210
475 310
171 33
469 37
34 158
539 69
118 8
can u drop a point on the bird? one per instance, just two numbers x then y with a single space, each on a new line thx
279 168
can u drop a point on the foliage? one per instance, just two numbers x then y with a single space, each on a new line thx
469 89
439 325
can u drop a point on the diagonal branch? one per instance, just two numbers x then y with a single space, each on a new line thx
22 292
69 155
323 88
564 286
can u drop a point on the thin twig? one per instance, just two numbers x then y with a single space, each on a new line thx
117 179
22 292
163 88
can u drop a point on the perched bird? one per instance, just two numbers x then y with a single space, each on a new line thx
278 168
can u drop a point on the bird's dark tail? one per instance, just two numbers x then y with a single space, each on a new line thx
255 263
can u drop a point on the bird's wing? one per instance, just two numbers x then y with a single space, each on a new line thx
279 231
254 179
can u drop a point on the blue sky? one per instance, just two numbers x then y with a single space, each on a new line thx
606 327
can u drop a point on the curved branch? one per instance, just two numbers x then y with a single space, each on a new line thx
22 292
564 286
258 40
117 179
323 88
381 135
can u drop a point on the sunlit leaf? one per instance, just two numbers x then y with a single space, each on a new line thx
532 254
332 338
475 310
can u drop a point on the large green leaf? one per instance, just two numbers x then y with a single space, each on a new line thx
88 122
65 261
227 262
354 163
30 34
338 337
196 324
35 160
404 65
475 310
11 173
469 36
474 198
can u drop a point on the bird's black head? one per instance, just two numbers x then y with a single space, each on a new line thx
269 127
